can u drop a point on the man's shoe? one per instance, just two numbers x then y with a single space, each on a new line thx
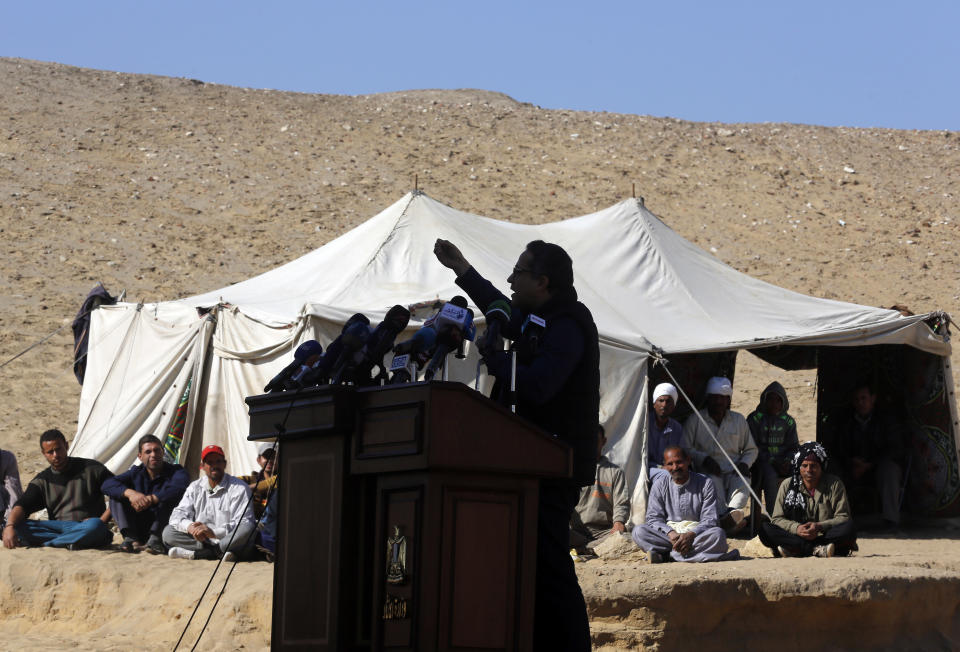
177 552
267 554
128 545
154 548
824 551
230 557
786 552
655 557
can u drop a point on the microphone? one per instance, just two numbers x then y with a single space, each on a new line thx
532 328
320 374
379 342
412 351
497 316
352 339
454 324
301 358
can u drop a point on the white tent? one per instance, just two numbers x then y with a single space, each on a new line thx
650 292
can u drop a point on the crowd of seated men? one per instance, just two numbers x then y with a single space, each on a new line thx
157 509
699 479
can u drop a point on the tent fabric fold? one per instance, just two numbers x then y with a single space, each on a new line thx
649 289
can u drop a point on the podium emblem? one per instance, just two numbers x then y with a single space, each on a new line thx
396 557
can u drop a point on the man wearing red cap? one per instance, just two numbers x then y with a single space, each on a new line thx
215 517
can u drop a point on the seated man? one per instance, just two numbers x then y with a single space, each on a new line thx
868 444
10 490
70 491
604 506
664 431
711 432
142 498
811 515
262 482
775 434
681 521
214 518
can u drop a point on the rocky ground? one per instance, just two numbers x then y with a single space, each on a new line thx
170 187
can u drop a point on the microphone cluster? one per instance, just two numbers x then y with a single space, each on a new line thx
357 354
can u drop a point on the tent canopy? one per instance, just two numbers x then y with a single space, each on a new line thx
648 288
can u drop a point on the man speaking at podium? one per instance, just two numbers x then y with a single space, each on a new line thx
557 388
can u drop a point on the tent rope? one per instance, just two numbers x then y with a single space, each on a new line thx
33 346
659 359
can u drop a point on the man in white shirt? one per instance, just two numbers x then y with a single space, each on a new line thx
202 525
715 430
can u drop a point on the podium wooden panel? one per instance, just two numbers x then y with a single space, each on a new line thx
407 518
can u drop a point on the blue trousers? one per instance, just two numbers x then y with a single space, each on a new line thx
88 533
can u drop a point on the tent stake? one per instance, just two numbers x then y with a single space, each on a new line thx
416 182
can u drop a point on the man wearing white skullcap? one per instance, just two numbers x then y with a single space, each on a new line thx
731 434
664 431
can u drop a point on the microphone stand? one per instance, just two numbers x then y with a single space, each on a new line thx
513 380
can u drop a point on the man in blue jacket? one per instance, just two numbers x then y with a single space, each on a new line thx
142 498
558 388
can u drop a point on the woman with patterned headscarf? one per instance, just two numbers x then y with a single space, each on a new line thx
811 515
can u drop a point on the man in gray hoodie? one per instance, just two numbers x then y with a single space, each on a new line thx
775 434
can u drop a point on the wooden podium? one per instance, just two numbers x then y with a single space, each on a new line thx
408 518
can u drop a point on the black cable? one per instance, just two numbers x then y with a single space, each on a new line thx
281 428
235 562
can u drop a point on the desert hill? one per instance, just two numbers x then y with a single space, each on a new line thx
170 187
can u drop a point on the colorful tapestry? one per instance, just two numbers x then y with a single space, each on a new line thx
173 440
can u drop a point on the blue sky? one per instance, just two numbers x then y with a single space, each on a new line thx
845 62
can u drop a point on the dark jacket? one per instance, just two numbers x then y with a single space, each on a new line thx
168 486
774 435
558 370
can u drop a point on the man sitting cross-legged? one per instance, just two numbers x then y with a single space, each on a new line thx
681 521
202 525
70 491
811 515
142 498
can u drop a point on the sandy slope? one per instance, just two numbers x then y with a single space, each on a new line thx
170 187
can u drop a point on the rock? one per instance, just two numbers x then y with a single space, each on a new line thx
849 170
615 546
724 132
754 548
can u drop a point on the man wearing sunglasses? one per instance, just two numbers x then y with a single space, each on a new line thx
558 388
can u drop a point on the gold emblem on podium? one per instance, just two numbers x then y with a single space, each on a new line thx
396 557
394 608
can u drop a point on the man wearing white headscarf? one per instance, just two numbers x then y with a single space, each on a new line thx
664 431
714 430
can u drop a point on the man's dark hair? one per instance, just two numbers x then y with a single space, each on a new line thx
681 450
147 439
864 384
52 435
552 261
